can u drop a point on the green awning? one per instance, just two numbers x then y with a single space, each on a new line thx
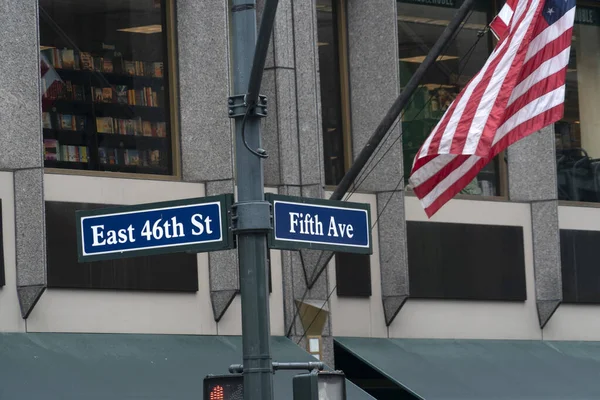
118 366
484 369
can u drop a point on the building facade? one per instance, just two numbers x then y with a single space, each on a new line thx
120 103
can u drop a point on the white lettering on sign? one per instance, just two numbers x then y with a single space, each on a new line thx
112 236
151 230
306 223
337 230
201 225
98 235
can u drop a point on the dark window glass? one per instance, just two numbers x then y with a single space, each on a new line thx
2 278
353 274
331 102
420 24
164 272
105 104
577 136
580 267
466 262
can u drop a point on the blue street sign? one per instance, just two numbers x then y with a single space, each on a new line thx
194 225
320 224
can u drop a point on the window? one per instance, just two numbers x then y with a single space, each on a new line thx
147 273
578 134
420 24
465 261
353 274
105 92
579 261
330 38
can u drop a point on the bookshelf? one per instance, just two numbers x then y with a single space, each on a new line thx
101 112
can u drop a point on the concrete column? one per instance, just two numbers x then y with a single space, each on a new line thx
372 30
532 179
21 142
206 131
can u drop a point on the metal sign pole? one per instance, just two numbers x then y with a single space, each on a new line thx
251 214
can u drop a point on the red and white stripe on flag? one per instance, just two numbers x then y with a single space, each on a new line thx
500 24
519 90
51 81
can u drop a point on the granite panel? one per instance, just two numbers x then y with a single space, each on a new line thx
289 304
547 258
30 233
223 265
20 115
327 351
221 300
392 306
392 251
206 130
532 167
28 298
313 191
270 131
372 35
308 93
30 227
314 263
287 120
283 34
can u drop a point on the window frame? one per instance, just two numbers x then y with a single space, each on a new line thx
345 85
579 203
344 68
502 169
340 7
172 96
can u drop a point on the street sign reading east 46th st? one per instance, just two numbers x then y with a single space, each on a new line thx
195 225
301 223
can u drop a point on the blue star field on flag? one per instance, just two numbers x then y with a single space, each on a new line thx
555 9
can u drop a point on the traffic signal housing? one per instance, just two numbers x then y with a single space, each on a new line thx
323 385
224 387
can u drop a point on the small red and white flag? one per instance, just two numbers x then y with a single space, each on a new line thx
52 84
519 90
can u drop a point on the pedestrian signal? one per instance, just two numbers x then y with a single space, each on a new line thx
224 387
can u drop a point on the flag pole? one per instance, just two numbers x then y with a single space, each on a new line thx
401 101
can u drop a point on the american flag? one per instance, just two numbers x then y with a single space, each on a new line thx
519 90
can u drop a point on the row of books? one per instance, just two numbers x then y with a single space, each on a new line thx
130 127
62 90
54 151
143 158
71 59
65 122
121 94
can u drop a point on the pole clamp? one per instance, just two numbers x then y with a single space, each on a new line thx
251 216
238 106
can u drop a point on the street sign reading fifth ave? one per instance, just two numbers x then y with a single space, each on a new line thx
301 223
194 225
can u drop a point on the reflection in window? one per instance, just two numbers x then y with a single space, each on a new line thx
104 85
419 26
331 102
578 134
